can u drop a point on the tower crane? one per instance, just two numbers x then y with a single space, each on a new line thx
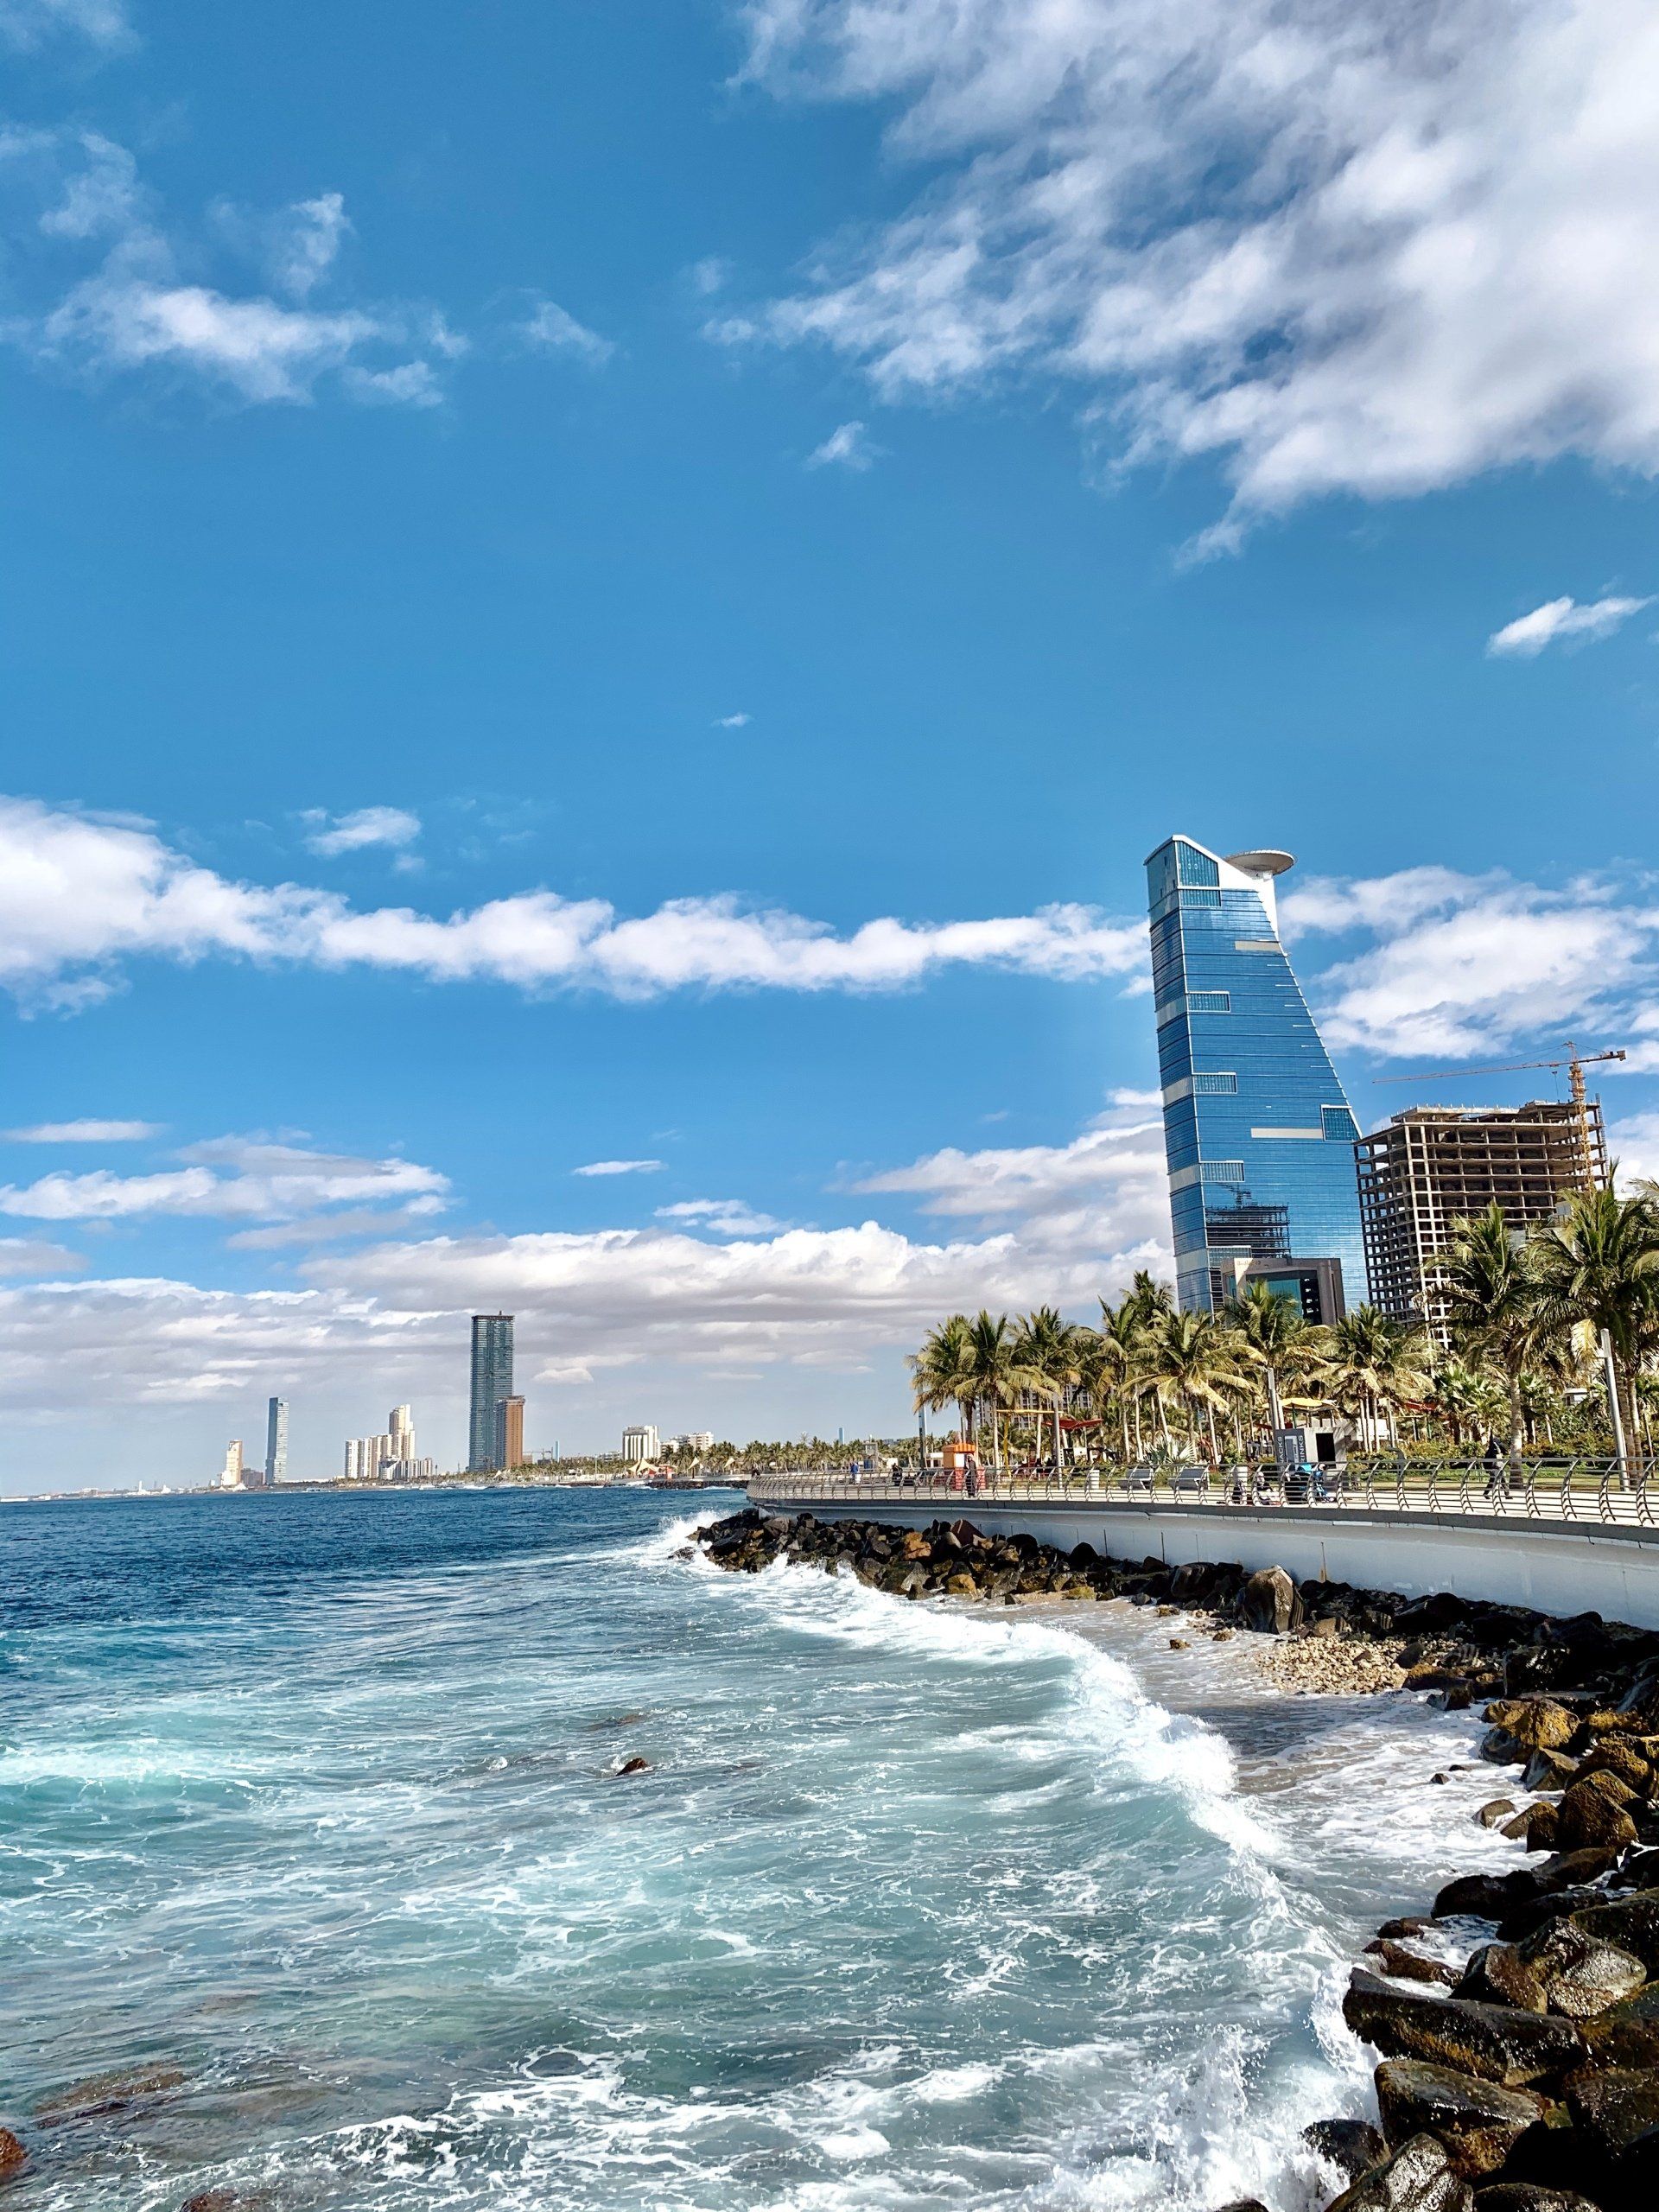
1574 1061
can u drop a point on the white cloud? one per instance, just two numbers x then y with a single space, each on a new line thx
31 1255
846 447
555 330
1105 1191
147 306
1360 248
333 835
1459 964
264 1181
30 24
710 276
87 1132
1528 634
723 1217
619 1167
78 898
732 721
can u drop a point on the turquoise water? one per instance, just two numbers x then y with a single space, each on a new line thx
313 1800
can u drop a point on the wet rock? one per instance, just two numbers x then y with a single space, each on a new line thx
1559 1968
1269 1602
1244 2204
1627 2034
1621 1755
1178 1643
1549 1770
1529 2196
1353 2146
1418 2178
1406 1965
1497 2043
1632 1924
1502 1748
1410 1926
1478 2122
1488 1896
107 2093
1498 1974
635 1765
1495 1811
1540 1723
1616 2108
1587 1817
13 2157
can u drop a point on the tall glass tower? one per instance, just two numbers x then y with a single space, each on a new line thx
1259 1136
276 1441
492 1387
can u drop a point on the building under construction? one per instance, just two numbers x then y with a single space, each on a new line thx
1435 1166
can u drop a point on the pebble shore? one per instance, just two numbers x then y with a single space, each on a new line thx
1515 2016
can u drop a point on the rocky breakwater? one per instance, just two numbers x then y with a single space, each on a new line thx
1516 2020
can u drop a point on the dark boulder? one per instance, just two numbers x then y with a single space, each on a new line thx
1352 2146
1269 1602
1616 2108
1632 1922
1478 2122
1407 1964
1627 2034
1497 2043
635 1765
1557 1968
1540 1723
1495 1811
1428 1616
1587 1818
1529 2196
1549 1770
1489 1896
1417 2178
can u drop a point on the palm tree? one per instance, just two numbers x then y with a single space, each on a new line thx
1271 1330
1459 1396
993 1367
1192 1361
1374 1362
1599 1261
1050 1352
1112 1369
1494 1308
942 1372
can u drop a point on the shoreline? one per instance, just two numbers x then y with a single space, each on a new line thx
1516 2015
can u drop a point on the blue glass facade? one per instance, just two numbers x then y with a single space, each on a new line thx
1258 1133
491 1386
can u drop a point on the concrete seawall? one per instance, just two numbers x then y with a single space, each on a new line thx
1557 1566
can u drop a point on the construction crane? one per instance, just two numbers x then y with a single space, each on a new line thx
1574 1061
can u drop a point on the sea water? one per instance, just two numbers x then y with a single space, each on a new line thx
314 1801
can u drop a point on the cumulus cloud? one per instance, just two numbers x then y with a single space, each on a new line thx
78 898
333 833
1104 1191
732 721
147 304
226 1177
552 330
848 446
723 1217
619 1167
32 1255
87 1132
1528 634
1360 249
1456 964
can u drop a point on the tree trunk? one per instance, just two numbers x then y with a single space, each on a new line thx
1275 1410
1517 1424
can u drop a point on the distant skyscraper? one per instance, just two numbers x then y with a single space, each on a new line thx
1257 1132
276 1441
510 1433
231 1473
640 1443
400 1428
491 1383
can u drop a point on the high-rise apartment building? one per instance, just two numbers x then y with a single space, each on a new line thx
230 1474
491 1383
640 1443
1434 1166
276 1441
510 1433
400 1432
1257 1132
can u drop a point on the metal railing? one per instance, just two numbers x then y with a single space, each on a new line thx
1588 1491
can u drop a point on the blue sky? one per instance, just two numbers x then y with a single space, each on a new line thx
716 499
